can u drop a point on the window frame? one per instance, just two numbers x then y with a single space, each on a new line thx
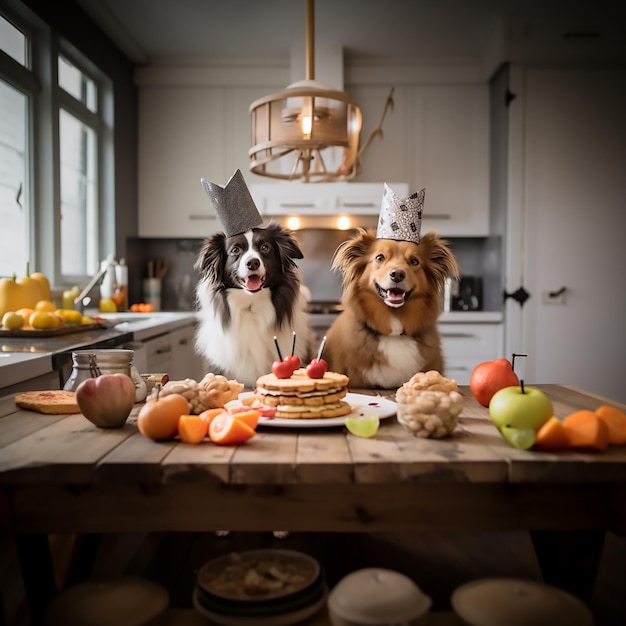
38 81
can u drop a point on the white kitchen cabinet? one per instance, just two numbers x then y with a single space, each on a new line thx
465 345
348 198
185 134
173 353
181 140
185 362
437 138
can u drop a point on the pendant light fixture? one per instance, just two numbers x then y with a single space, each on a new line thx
292 129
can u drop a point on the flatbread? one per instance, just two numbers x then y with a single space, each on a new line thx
51 402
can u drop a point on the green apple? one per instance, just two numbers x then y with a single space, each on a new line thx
365 425
520 407
522 438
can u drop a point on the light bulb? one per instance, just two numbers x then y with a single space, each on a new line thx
293 223
344 222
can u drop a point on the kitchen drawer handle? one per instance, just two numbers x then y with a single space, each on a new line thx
457 368
296 205
197 217
437 216
458 335
357 205
163 350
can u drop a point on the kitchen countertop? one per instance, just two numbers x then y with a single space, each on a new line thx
22 359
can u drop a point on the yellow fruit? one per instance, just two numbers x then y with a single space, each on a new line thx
70 316
26 314
12 321
86 320
45 305
107 306
44 320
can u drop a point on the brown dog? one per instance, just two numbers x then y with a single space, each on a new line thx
388 329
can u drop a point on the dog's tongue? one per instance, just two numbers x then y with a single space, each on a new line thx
395 295
253 282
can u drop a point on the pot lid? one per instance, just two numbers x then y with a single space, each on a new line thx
517 602
378 596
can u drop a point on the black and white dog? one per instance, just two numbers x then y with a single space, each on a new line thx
250 291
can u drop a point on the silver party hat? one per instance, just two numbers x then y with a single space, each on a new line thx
400 218
234 205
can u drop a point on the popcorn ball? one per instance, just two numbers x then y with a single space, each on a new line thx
428 405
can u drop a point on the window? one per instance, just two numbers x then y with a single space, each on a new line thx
55 129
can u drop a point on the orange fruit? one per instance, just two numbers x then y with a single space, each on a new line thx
158 419
209 414
45 305
192 428
250 417
26 314
227 429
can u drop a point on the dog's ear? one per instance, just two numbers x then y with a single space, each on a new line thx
350 257
212 259
441 261
288 245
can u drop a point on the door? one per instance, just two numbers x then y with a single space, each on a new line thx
566 226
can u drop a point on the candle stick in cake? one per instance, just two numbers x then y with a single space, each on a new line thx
280 356
318 367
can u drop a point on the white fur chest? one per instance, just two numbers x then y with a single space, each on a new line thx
403 358
245 349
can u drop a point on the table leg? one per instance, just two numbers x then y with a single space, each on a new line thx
569 559
37 572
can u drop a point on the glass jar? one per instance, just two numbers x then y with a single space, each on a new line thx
92 363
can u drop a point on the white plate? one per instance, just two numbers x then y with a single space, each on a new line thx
362 403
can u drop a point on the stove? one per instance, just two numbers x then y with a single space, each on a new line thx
320 307
322 315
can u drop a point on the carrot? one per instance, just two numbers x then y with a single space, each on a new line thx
587 431
192 428
615 419
209 414
227 429
552 435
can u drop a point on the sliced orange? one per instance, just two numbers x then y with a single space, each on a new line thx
192 428
209 414
226 429
250 417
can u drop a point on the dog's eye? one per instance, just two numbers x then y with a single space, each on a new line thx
380 258
235 250
414 261
265 248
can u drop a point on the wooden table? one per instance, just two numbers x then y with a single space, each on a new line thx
61 474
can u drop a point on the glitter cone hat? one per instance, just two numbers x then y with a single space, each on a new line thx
400 218
234 205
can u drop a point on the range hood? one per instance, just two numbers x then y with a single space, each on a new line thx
342 205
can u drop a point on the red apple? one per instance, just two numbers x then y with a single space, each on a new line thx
316 368
282 369
107 400
294 359
491 376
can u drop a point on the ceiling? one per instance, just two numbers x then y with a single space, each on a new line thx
153 31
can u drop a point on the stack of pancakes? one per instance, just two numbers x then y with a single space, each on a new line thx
302 397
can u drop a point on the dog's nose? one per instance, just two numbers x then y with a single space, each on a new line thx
253 264
397 275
